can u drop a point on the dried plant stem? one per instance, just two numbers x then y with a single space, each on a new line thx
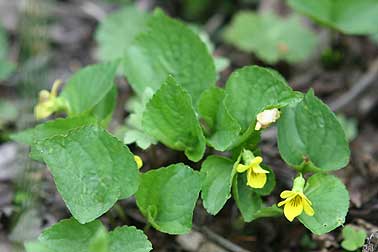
221 241
362 84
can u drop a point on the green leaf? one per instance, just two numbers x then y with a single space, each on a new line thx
100 241
91 169
309 134
118 30
169 47
88 87
350 126
3 43
252 89
167 197
143 140
49 129
221 63
70 236
247 200
354 238
128 239
36 247
330 201
8 112
221 126
348 16
6 67
134 130
271 37
216 187
67 235
103 111
171 119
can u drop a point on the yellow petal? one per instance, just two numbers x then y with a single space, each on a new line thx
307 208
288 199
256 180
287 194
41 111
138 161
241 168
256 161
258 169
293 208
306 199
283 202
43 96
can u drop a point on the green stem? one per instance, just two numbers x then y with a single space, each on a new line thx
241 139
147 227
120 212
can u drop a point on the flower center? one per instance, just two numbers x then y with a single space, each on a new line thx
296 201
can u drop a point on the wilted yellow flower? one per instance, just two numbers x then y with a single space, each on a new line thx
138 161
295 202
256 176
48 102
266 118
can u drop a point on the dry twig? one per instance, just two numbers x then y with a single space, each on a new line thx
221 241
364 82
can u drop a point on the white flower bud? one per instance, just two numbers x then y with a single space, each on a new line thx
267 117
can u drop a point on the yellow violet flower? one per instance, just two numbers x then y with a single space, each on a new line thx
256 176
295 202
138 161
266 118
48 102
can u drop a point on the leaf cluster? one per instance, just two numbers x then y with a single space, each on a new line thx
171 70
